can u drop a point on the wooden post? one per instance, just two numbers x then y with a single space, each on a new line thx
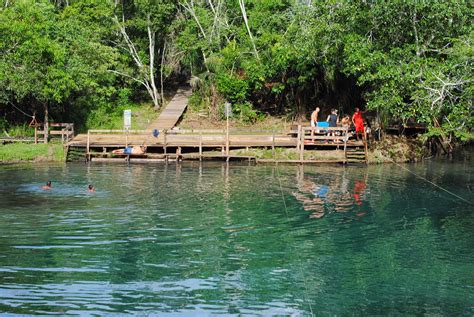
164 142
302 144
126 138
298 138
345 146
36 134
366 149
227 138
273 144
200 145
88 144
178 153
46 126
88 140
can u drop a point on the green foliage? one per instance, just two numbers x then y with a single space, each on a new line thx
51 58
408 60
245 112
23 130
234 89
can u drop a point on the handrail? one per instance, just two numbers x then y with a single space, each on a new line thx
187 131
326 128
118 131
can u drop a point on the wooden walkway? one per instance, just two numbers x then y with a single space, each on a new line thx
191 144
173 110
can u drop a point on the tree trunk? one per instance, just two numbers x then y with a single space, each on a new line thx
155 95
146 73
244 15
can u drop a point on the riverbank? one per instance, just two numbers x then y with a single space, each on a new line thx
400 149
29 152
390 149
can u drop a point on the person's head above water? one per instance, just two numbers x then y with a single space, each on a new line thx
90 188
48 185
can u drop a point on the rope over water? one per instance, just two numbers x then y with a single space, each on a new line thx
444 189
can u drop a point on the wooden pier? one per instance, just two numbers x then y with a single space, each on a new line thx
165 142
97 145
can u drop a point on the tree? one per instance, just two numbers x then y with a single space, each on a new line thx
133 19
49 58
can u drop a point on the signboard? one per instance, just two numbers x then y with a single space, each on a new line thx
228 109
127 119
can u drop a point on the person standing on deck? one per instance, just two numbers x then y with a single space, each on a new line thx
314 121
358 123
333 120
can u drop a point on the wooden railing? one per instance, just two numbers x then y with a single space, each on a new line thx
328 134
65 130
199 134
200 138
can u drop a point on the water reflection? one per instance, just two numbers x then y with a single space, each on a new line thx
220 239
323 195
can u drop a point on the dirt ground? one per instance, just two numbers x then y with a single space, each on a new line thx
195 120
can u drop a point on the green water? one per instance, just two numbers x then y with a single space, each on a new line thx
212 239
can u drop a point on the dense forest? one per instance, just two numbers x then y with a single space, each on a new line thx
86 60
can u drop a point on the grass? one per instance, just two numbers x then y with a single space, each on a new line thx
24 152
142 116
199 120
291 154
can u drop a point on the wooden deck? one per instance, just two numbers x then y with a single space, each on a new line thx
173 110
184 140
192 144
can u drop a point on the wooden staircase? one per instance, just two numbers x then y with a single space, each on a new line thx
358 154
74 154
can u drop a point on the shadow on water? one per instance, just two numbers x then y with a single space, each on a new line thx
218 239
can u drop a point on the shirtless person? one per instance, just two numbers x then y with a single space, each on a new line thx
134 150
314 120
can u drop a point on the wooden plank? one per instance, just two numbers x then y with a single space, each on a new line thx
173 110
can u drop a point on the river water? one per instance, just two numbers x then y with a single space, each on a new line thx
215 239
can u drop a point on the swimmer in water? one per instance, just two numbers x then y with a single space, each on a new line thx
90 188
48 186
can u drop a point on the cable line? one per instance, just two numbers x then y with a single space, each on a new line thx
444 189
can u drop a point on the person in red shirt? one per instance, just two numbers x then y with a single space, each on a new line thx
358 122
